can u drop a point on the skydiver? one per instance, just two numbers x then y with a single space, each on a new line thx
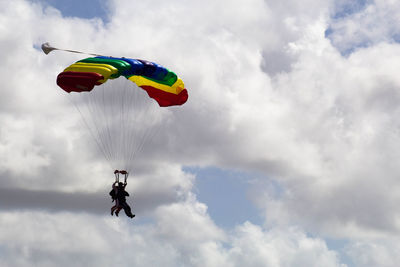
119 194
113 194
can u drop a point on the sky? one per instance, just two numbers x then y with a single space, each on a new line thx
285 153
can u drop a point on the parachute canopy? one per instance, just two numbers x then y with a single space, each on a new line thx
161 84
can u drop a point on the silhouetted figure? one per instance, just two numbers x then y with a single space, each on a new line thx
119 194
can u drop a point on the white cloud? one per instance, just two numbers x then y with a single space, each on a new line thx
345 125
253 246
376 252
267 93
183 235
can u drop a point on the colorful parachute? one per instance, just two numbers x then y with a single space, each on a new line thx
120 117
160 83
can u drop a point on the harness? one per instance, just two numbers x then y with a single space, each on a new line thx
125 173
116 183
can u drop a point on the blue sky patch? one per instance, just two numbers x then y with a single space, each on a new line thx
349 7
87 9
225 194
342 11
340 245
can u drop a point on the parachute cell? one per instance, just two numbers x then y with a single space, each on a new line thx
78 81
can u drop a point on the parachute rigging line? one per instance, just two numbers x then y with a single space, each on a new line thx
118 111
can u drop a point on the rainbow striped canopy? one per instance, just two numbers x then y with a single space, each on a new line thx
160 83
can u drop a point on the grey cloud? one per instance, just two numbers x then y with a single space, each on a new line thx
14 199
385 97
275 62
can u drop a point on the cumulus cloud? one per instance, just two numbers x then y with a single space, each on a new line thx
268 93
350 135
375 252
183 235
254 246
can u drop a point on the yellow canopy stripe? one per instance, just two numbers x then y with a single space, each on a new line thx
104 69
176 88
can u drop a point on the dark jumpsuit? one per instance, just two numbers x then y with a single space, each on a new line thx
121 196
